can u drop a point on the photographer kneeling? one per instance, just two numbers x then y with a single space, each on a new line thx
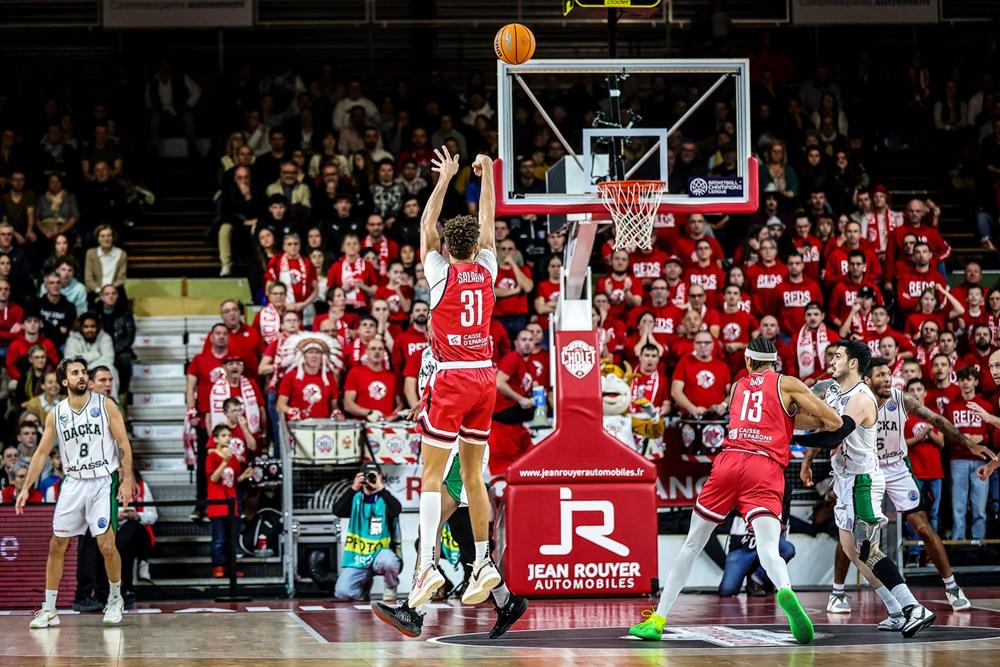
372 543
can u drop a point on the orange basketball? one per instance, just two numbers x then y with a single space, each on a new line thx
514 44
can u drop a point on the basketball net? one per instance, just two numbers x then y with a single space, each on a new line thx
633 206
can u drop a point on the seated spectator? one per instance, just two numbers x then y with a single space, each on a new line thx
19 272
775 169
10 493
373 541
106 264
104 202
19 208
357 278
222 468
308 389
134 537
700 382
62 247
10 461
58 211
240 211
385 248
102 148
370 390
171 99
294 191
45 402
69 286
57 156
31 380
398 294
96 346
11 318
386 193
295 272
31 335
20 287
58 313
942 313
649 383
410 179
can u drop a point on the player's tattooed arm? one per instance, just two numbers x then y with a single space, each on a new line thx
914 408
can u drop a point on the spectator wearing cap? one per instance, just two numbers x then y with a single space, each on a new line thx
883 221
372 544
845 291
795 292
695 230
706 273
765 276
673 276
30 335
806 352
236 385
861 319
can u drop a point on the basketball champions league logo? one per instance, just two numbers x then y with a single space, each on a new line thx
578 358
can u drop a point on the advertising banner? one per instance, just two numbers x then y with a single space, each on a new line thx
863 12
24 549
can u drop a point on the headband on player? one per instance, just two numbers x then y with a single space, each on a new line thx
760 356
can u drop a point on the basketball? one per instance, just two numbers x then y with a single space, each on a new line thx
514 44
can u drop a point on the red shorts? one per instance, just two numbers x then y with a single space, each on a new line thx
459 404
753 484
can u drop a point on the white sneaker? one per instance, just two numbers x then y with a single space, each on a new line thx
838 604
893 623
113 611
44 618
957 599
425 584
484 579
918 617
144 571
389 595
226 270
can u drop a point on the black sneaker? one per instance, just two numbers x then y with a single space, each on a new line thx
918 617
404 619
508 615
90 604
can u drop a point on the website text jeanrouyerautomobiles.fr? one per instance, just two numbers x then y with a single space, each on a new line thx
582 472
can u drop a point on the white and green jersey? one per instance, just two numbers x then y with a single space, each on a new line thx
84 438
891 440
857 454
428 367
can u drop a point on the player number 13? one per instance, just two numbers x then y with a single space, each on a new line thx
472 303
752 406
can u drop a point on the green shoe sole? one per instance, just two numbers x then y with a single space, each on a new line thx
645 631
798 620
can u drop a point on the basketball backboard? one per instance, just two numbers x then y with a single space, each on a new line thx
596 120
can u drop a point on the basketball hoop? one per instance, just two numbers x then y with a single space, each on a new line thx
632 205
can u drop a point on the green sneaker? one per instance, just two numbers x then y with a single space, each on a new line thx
651 629
798 620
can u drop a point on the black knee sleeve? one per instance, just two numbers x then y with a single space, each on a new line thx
887 572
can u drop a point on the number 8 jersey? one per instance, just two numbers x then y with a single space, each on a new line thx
462 304
758 421
84 438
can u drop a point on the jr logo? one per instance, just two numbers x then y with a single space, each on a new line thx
598 534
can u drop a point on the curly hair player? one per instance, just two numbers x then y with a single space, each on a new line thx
859 483
94 444
459 405
509 606
749 476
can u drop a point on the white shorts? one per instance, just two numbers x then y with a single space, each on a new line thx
86 503
859 497
900 487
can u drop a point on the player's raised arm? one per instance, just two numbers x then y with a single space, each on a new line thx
38 460
919 410
446 165
483 167
117 426
814 413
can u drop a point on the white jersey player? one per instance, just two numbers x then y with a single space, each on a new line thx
859 484
97 458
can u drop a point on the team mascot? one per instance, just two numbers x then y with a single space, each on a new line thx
640 428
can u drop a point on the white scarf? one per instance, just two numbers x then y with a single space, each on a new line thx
810 356
383 252
349 272
221 391
292 276
270 323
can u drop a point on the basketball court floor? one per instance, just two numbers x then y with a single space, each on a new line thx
583 633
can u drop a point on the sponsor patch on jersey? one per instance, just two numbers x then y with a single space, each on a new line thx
845 400
891 406
454 339
95 412
102 523
63 418
912 495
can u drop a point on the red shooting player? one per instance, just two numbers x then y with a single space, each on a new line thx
749 475
461 395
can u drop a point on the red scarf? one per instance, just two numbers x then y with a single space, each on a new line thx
809 353
221 391
349 272
383 252
270 323
293 275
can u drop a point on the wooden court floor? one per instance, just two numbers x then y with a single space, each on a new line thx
705 631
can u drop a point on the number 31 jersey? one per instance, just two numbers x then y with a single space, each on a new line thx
461 307
758 421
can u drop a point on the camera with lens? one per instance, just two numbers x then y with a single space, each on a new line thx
371 477
371 472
